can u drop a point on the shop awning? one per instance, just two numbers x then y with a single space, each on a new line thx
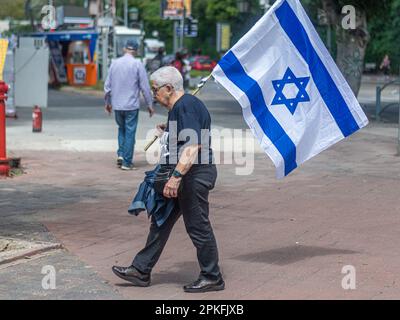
72 35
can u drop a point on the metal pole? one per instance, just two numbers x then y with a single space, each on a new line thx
218 37
182 27
398 135
98 58
114 9
3 96
126 13
175 36
378 104
4 164
105 54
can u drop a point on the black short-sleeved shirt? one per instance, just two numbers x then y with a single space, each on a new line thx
189 123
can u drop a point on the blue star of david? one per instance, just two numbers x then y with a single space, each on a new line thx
301 84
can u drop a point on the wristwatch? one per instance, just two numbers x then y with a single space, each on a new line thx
177 174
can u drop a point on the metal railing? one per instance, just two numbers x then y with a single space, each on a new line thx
378 109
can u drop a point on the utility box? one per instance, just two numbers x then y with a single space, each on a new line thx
31 72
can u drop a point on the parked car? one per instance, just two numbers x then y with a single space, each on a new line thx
203 63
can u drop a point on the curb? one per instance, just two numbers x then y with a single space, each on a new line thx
24 253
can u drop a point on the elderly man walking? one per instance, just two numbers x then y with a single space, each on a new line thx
125 80
186 147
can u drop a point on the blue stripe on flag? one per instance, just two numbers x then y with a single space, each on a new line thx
272 129
322 79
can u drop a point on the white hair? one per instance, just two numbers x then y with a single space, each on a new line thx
168 75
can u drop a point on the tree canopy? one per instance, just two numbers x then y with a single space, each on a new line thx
13 9
383 21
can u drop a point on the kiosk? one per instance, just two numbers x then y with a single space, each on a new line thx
72 56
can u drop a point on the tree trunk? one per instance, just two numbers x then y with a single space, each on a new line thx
351 43
351 48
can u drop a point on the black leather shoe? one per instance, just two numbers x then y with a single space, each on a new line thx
204 285
132 275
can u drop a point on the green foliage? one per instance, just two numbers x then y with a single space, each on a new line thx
12 9
383 21
199 73
15 9
383 26
207 12
149 13
372 7
385 32
217 10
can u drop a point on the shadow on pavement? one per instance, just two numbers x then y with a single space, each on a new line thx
181 273
291 254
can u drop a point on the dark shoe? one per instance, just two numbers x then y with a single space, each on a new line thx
119 161
132 275
204 285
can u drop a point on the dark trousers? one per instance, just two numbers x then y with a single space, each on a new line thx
192 204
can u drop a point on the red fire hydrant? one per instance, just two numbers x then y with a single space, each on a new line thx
4 162
37 119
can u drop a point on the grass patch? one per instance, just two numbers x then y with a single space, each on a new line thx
199 73
15 172
99 86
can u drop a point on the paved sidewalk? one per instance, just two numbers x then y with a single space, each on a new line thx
284 239
74 280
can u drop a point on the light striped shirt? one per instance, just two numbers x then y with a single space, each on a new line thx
126 78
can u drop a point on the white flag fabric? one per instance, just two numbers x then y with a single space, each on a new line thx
293 96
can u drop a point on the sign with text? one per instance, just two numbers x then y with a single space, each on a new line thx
57 61
173 9
79 75
190 29
223 36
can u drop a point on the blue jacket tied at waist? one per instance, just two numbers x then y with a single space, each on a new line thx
148 199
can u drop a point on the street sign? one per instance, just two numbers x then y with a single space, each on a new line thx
173 9
190 34
3 53
223 36
105 22
190 29
188 8
79 75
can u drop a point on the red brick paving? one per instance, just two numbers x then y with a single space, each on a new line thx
284 239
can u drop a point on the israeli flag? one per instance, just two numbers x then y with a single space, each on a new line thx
293 96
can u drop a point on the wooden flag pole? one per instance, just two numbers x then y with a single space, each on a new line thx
199 86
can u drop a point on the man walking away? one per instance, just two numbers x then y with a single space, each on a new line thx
125 80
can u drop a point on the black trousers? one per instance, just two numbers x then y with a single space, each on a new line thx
192 204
